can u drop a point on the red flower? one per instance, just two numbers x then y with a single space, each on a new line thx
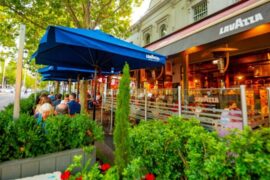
105 167
65 175
79 178
149 176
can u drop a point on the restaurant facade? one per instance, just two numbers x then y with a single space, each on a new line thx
211 58
227 49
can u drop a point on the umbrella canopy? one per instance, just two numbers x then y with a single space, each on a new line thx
70 76
69 72
50 78
92 49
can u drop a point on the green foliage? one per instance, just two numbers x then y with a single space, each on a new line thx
160 147
134 170
64 132
249 153
183 149
29 138
26 138
57 132
121 131
6 135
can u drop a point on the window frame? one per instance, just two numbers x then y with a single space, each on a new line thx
200 10
161 28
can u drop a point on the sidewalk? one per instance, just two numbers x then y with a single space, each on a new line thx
106 148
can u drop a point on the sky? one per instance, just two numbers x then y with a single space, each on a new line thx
138 12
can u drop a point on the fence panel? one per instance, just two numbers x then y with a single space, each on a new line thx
215 108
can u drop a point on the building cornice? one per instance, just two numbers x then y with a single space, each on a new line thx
151 11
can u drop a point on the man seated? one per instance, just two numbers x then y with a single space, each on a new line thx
65 100
51 96
74 107
61 109
57 100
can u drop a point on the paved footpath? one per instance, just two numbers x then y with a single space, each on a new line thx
49 176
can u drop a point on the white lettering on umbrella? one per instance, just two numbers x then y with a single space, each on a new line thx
151 57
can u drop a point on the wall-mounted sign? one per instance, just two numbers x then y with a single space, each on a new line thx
239 23
207 99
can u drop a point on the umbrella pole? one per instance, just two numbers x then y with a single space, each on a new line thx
78 86
95 93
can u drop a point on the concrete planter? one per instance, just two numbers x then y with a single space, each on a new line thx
48 163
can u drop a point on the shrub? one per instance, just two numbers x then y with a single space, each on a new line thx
160 148
57 129
183 149
249 153
121 132
29 138
64 132
25 138
6 135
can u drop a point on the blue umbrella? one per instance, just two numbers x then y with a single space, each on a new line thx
70 76
50 78
59 69
93 49
81 48
69 72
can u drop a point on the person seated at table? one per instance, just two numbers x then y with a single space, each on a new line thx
74 107
42 100
89 102
230 119
65 100
52 96
45 111
57 100
61 108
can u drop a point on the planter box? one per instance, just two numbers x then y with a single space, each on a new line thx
48 163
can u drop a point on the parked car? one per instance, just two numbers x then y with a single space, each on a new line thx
9 90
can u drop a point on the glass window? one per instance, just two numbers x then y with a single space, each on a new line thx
147 38
200 10
163 30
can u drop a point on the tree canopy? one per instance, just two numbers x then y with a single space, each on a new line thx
111 16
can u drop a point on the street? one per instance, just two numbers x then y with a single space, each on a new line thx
7 98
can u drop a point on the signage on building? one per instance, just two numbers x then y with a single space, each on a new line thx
207 99
239 23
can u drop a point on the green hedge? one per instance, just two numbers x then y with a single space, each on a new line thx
183 149
25 138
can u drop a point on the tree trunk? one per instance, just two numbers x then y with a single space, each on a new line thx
69 87
57 87
83 95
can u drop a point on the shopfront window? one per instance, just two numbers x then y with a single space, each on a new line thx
200 10
163 30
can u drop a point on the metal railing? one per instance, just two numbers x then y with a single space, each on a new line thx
209 106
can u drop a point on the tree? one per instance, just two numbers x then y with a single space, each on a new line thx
121 132
111 16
